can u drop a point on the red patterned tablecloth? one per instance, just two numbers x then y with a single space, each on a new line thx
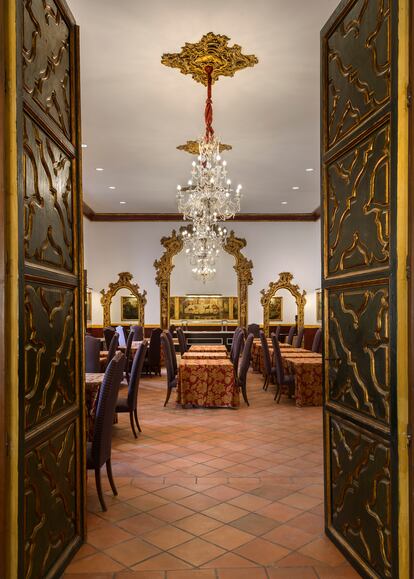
208 348
204 356
308 380
257 354
207 383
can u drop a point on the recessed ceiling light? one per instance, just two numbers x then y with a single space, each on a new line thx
84 145
111 187
99 169
295 188
122 202
284 202
309 170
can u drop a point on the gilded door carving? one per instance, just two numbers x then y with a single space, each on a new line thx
358 199
51 295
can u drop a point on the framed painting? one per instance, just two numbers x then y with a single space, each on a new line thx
276 309
318 306
129 308
203 308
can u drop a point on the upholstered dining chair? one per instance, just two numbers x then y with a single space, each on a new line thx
138 333
282 379
108 334
277 332
269 370
237 331
128 350
317 341
244 367
182 341
113 346
291 335
129 403
152 361
239 339
254 329
299 338
98 452
172 350
92 358
171 378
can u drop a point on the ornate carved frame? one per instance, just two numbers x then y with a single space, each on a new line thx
284 282
164 266
124 282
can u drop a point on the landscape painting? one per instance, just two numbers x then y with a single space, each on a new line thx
275 309
129 308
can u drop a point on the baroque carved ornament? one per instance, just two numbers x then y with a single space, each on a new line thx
193 147
284 282
124 282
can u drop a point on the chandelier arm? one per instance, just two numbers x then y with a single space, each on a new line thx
208 115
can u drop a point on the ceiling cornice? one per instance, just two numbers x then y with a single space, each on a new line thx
90 214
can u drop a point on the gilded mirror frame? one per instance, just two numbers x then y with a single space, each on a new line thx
124 282
164 266
284 282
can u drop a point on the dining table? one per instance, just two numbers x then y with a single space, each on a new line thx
308 379
204 355
208 348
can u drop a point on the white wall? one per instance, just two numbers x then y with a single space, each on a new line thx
183 281
273 247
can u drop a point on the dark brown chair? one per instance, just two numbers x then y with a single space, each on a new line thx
269 370
244 367
317 341
171 378
182 341
129 404
138 333
92 358
291 335
254 329
277 332
282 379
98 452
108 333
238 347
128 350
113 346
299 338
173 353
152 361
237 331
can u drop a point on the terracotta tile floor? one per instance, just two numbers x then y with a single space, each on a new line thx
221 494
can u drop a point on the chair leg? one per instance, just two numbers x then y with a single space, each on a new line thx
265 382
278 393
245 395
99 488
168 396
110 477
136 420
131 420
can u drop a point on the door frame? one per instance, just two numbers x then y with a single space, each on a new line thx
410 273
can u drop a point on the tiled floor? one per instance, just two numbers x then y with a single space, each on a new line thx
208 494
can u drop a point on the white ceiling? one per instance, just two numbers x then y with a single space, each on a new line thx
135 111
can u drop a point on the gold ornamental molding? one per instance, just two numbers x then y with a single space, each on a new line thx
212 50
164 266
124 282
193 147
284 282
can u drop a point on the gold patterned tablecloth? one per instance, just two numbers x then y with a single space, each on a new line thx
257 354
204 356
308 380
207 383
208 348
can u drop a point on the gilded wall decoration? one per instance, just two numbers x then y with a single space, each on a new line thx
48 211
124 282
49 356
211 50
193 147
284 282
164 266
358 206
50 501
361 493
46 61
359 341
204 308
359 67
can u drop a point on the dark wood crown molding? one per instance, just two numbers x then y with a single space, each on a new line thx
90 214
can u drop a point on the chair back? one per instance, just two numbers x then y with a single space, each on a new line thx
136 371
92 349
266 354
237 331
317 341
138 333
237 350
113 346
181 341
289 338
254 329
299 337
245 361
128 351
172 349
280 375
108 333
154 350
166 348
104 417
277 331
